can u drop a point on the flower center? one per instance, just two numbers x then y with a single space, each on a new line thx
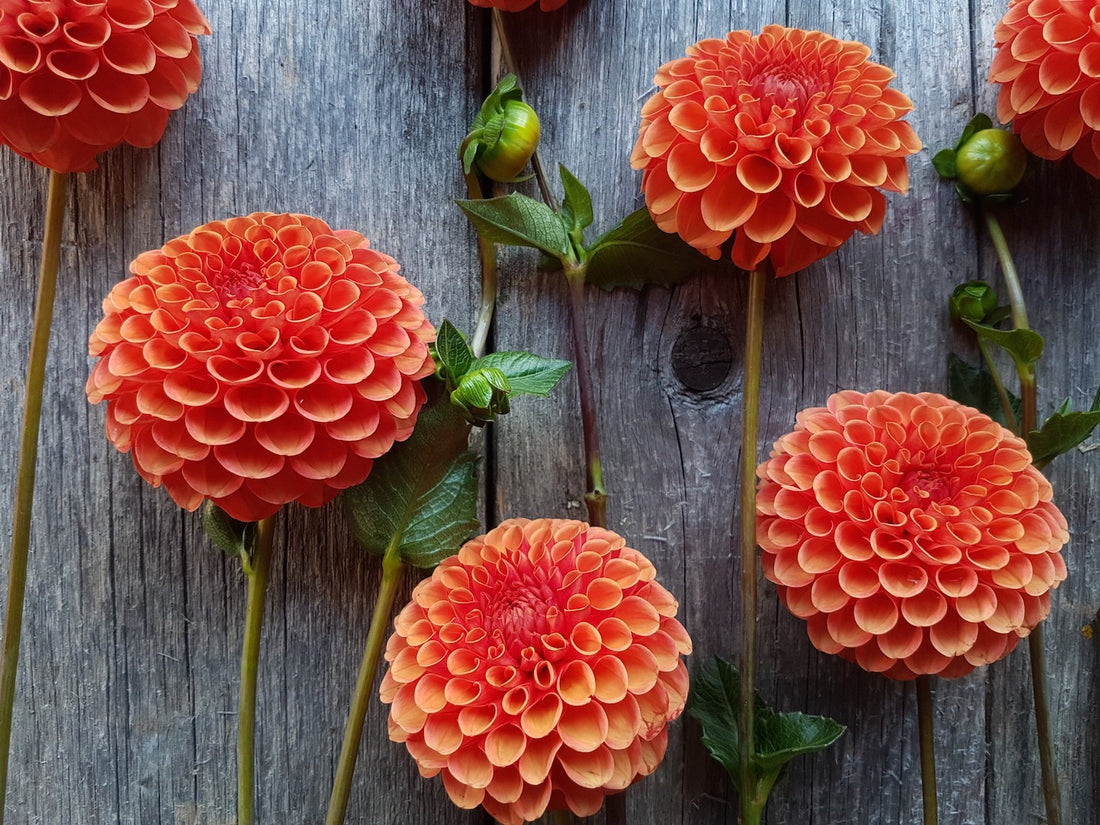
926 484
239 282
517 616
785 85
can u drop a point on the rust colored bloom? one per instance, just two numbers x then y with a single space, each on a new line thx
518 5
260 360
781 140
1048 65
80 76
911 533
537 669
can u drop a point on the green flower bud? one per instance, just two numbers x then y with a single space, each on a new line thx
990 162
482 395
973 301
516 143
503 136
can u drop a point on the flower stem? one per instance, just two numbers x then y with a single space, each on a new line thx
28 455
927 750
488 256
364 685
998 384
750 411
257 569
1029 413
596 497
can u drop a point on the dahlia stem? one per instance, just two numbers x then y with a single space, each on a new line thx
596 497
487 254
998 384
1029 409
364 685
257 567
750 412
28 456
927 750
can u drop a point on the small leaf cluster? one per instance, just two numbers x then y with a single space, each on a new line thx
634 253
977 386
481 387
780 737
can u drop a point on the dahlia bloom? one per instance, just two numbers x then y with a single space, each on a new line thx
1048 65
911 533
781 139
260 360
78 77
537 668
518 5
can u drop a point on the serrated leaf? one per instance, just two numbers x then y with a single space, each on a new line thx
1063 431
974 387
977 123
576 208
527 373
517 220
1024 345
637 252
944 163
422 494
452 353
235 538
780 737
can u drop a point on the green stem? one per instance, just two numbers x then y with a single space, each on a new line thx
28 456
927 750
488 256
596 497
750 413
998 384
257 569
364 685
1029 409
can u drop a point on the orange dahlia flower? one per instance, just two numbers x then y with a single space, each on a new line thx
911 533
781 140
537 668
518 5
1048 65
260 360
80 76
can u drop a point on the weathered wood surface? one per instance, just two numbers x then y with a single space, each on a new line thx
351 111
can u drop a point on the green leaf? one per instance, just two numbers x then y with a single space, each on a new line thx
527 374
452 354
944 163
780 737
422 494
1024 345
637 252
235 538
977 123
576 209
482 395
1063 431
974 387
517 220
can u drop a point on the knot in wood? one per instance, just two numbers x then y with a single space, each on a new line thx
701 358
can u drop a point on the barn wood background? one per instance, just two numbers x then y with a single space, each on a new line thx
351 110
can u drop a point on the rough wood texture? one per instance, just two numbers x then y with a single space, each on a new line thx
352 111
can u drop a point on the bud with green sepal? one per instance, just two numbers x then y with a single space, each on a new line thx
973 301
986 163
503 136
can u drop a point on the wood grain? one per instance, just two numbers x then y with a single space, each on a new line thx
352 111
